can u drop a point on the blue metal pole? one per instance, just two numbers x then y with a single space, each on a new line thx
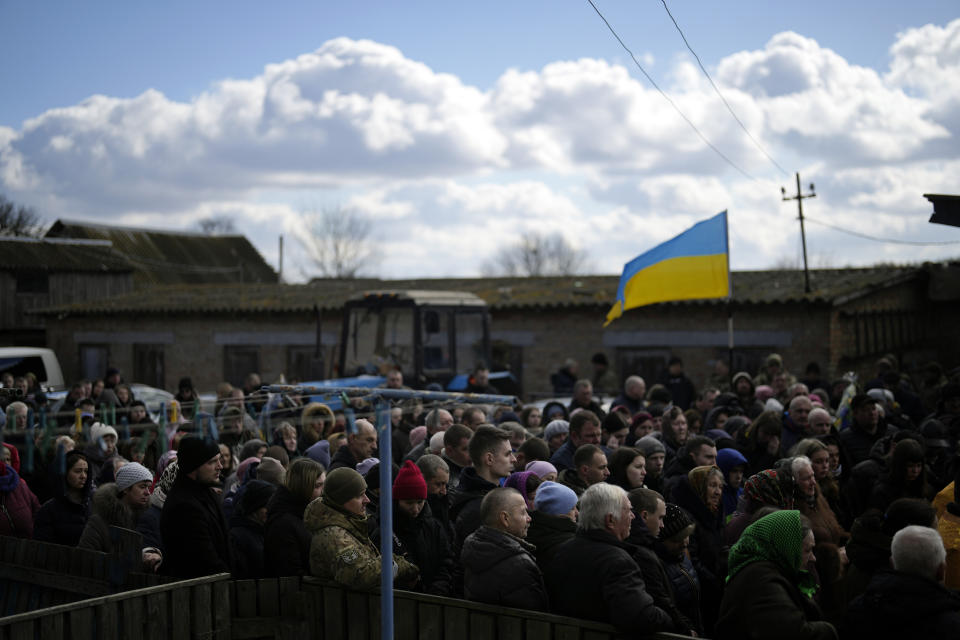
386 517
395 394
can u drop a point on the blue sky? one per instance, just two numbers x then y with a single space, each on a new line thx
833 101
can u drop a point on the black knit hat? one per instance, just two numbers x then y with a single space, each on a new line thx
256 494
677 525
194 452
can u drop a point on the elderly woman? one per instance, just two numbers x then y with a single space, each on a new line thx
675 431
769 592
819 455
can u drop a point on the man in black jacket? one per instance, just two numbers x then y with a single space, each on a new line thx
650 510
499 565
361 445
910 600
594 576
493 460
192 525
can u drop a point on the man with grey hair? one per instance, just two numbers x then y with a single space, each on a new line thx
634 390
594 575
436 473
910 601
437 420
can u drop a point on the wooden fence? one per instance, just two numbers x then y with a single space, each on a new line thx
35 575
198 608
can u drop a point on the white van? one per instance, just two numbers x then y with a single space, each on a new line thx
42 363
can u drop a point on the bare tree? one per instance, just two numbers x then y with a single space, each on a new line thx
213 225
18 220
337 241
537 254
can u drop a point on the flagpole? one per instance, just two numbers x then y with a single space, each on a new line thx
726 230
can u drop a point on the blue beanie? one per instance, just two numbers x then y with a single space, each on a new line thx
727 459
554 499
320 452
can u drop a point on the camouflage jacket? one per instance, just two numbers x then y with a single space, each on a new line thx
341 550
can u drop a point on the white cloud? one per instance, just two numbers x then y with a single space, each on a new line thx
449 172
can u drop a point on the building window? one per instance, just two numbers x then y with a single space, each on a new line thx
33 282
238 361
94 360
148 364
301 364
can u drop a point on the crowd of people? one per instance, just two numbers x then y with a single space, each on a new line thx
757 506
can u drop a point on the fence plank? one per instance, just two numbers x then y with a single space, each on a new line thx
221 610
509 627
483 626
374 602
333 628
157 614
566 632
358 627
52 627
538 630
200 611
431 622
22 631
107 621
180 613
289 589
455 622
405 619
268 592
246 598
81 624
131 614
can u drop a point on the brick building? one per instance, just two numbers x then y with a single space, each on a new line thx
220 332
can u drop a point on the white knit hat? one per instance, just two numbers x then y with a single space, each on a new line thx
98 430
132 473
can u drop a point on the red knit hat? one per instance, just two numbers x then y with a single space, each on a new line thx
409 484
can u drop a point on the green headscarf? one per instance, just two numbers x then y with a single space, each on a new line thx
776 538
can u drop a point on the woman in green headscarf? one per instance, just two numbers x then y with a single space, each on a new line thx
769 592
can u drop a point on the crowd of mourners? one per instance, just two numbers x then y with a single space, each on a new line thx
761 505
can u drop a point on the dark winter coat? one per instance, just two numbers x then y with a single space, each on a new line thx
18 505
465 508
685 582
61 521
500 569
571 479
760 602
110 527
706 543
286 542
246 547
594 576
148 525
547 532
899 605
562 458
425 543
655 576
343 458
195 539
855 443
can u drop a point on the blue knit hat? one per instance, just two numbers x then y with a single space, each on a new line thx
554 499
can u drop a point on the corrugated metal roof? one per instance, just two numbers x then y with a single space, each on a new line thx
750 287
167 257
38 254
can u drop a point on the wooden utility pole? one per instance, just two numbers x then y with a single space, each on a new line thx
803 235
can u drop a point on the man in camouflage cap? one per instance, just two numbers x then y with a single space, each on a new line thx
341 550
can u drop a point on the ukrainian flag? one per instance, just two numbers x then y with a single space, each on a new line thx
693 265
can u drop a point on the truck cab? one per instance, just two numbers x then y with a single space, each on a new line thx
430 335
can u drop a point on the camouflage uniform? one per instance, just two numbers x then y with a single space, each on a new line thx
341 550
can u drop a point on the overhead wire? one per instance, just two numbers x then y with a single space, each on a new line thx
665 96
717 90
915 243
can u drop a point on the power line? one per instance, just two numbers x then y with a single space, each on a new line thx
665 96
715 88
915 243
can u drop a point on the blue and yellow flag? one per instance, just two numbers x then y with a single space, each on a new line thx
691 266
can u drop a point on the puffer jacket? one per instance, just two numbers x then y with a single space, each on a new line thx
341 550
547 532
465 505
500 569
18 505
